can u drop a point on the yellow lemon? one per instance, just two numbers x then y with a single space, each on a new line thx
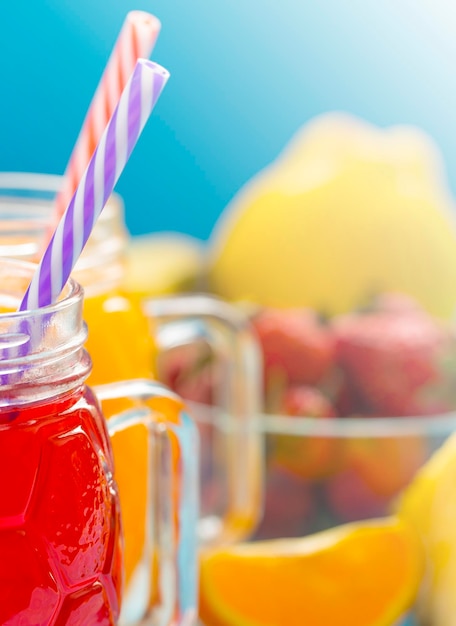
346 211
158 264
364 574
429 503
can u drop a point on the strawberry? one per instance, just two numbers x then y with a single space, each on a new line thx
305 401
400 363
295 344
310 455
188 370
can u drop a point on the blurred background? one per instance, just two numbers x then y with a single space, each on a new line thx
244 77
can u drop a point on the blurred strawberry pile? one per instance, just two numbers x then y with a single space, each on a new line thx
390 359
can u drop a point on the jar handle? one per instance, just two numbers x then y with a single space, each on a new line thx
164 583
236 443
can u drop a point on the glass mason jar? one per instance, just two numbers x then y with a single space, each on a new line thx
233 456
60 525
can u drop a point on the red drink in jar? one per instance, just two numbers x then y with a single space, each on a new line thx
60 535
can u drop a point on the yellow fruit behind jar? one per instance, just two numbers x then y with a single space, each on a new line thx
121 347
346 211
119 338
164 263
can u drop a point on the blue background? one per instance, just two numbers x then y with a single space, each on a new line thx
245 74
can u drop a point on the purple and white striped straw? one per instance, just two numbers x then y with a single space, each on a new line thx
97 183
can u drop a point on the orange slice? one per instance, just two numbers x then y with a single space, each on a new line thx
363 574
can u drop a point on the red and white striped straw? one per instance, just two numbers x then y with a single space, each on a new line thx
136 40
97 183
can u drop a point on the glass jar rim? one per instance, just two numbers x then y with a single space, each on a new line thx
72 292
41 350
